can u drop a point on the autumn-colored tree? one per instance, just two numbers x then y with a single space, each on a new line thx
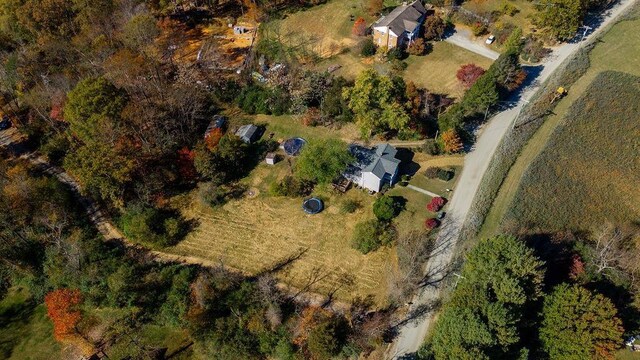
320 333
434 28
451 140
212 138
62 309
417 47
185 164
359 27
436 204
578 324
431 224
577 267
468 74
374 7
311 117
414 99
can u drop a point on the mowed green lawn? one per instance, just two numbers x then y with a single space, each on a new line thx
619 50
435 71
25 330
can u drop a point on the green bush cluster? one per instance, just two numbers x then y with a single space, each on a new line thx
291 186
350 206
256 99
149 225
439 173
385 208
370 235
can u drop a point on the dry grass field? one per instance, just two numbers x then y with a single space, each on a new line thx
260 232
256 234
589 171
522 18
618 50
327 27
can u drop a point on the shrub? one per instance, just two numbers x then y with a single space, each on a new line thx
291 187
431 224
431 147
151 226
417 48
468 74
398 66
436 204
452 142
439 173
509 9
349 206
478 28
386 208
212 195
367 47
359 27
370 235
397 53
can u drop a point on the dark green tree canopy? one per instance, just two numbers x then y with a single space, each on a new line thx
93 105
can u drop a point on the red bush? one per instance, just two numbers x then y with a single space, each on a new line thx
436 204
577 267
431 224
468 74
185 164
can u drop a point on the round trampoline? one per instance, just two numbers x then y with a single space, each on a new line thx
293 146
312 205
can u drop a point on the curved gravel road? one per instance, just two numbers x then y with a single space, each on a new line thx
415 327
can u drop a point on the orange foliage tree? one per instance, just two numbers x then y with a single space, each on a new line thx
62 309
213 138
359 27
452 142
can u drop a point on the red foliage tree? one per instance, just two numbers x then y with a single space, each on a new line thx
577 267
436 204
359 27
185 164
468 74
431 224
62 309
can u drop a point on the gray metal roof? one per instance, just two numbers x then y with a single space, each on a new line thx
379 161
247 132
403 18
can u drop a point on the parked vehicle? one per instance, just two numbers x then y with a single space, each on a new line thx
5 123
490 39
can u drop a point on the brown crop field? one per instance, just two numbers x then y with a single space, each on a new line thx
589 172
256 234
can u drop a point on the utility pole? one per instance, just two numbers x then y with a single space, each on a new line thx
513 126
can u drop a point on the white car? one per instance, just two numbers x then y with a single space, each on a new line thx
490 39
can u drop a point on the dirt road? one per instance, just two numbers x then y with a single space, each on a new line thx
412 333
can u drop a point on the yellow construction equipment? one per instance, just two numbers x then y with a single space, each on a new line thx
560 93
